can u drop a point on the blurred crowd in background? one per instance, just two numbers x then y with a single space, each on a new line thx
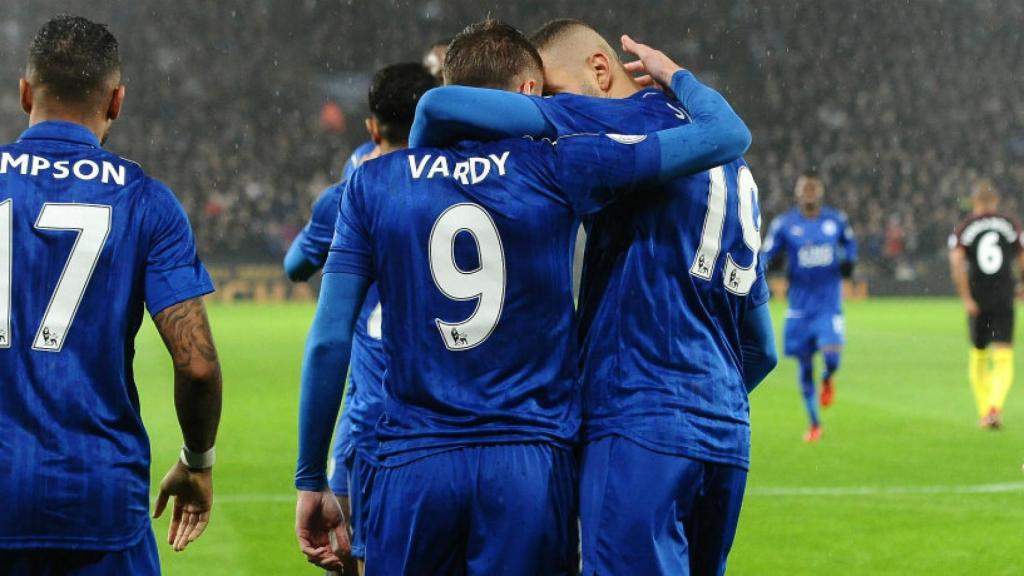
249 109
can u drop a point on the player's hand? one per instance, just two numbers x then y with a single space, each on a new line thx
193 499
972 307
653 65
321 529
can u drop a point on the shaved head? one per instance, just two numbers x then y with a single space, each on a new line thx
579 60
984 196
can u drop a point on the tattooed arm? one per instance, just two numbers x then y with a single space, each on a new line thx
197 399
197 382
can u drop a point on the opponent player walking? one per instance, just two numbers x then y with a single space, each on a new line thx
982 251
820 251
86 240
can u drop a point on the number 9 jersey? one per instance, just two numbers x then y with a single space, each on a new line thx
472 251
86 239
991 242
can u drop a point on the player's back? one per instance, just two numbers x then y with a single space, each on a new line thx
991 241
76 229
667 281
472 251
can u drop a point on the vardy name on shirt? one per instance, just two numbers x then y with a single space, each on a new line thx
86 170
472 170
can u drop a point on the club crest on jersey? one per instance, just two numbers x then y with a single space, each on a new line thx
796 231
829 228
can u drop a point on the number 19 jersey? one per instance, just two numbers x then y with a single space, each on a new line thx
472 251
86 239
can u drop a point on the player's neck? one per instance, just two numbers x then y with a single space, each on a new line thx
387 147
93 122
624 86
811 214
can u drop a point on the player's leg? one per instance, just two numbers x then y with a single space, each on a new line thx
418 517
715 516
798 342
634 507
524 511
1002 365
979 364
830 335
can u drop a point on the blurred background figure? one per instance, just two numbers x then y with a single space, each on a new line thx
820 251
982 253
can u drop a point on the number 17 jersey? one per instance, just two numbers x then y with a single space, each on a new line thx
86 240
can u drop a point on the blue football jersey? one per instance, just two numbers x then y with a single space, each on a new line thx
86 240
472 248
357 158
815 248
365 397
667 280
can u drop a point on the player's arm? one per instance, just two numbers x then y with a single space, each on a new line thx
319 524
774 244
958 271
309 249
849 244
449 114
174 282
186 333
757 344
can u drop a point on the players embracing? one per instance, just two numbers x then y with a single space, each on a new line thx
481 411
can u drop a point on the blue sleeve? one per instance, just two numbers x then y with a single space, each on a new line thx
297 266
449 114
849 242
308 251
716 136
593 170
351 251
774 242
174 272
324 367
757 345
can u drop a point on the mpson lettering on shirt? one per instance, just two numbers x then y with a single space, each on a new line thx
84 169
473 170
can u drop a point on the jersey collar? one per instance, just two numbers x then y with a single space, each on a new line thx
61 130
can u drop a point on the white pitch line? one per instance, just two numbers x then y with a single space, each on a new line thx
1006 487
886 490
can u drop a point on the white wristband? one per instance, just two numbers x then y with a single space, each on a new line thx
197 459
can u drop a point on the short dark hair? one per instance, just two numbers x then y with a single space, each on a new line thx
490 54
73 58
394 93
553 30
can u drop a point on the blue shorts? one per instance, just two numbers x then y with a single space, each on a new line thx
488 510
139 559
338 478
806 335
644 512
362 470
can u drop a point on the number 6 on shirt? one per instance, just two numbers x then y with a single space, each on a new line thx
486 284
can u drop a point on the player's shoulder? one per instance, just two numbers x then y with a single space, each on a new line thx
833 213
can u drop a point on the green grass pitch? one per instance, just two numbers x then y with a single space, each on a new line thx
903 481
